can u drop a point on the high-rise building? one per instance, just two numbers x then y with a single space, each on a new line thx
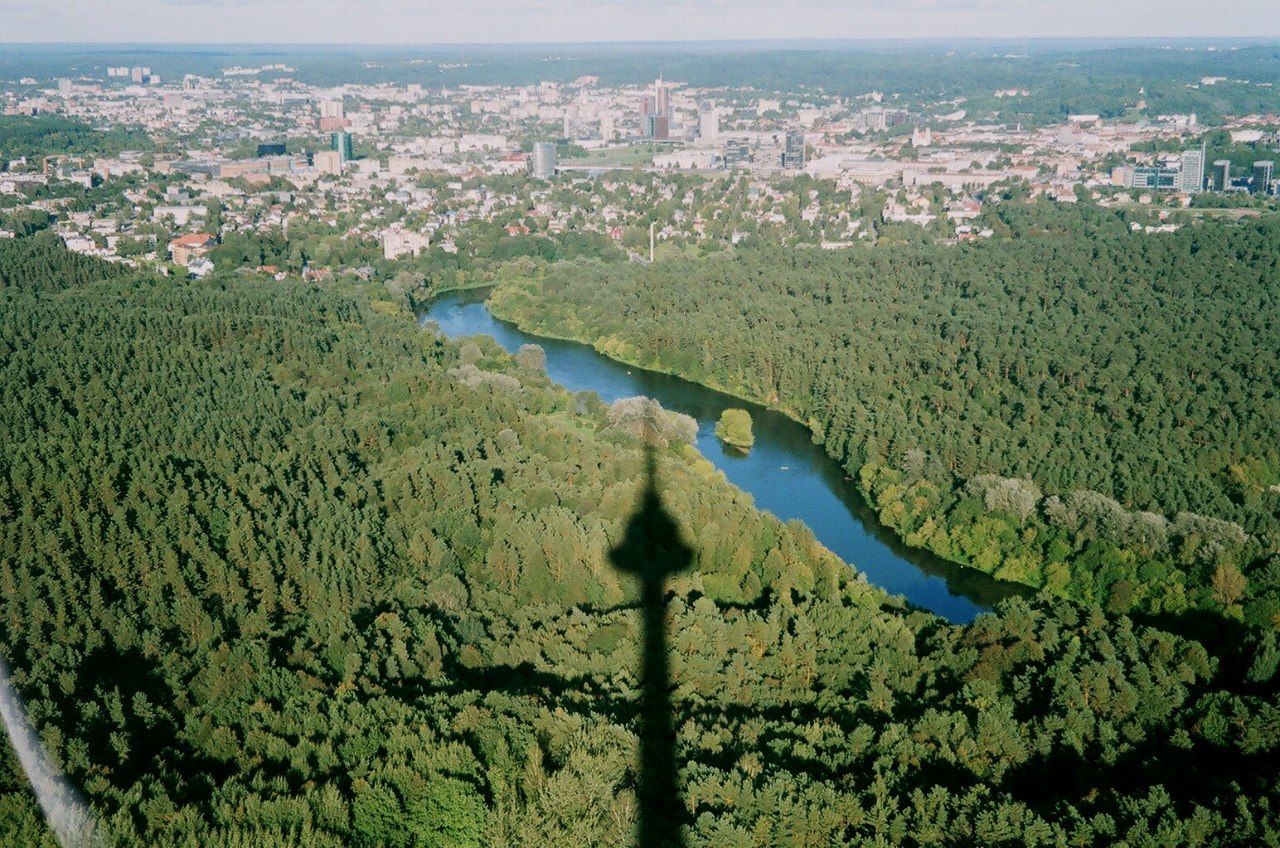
646 115
662 97
1263 174
333 116
1191 180
608 126
655 112
544 160
573 124
1220 177
708 121
341 143
328 162
793 151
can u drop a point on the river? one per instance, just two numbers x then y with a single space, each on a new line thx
785 472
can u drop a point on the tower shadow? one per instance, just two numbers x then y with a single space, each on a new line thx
651 551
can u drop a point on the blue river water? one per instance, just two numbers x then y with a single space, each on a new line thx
785 472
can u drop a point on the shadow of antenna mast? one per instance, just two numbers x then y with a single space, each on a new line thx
652 551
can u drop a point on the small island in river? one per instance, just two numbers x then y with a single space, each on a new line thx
734 429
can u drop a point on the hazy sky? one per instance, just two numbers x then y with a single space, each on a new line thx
487 21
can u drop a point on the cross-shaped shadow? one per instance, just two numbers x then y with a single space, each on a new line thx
652 551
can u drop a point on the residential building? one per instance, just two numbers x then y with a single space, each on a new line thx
397 242
328 162
191 246
333 115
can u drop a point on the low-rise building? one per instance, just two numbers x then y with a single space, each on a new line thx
397 242
191 246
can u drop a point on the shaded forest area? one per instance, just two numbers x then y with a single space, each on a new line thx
1071 407
279 569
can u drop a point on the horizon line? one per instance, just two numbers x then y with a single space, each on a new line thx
1252 39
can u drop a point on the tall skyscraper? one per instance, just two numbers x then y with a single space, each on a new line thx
544 160
1191 179
646 115
342 144
655 112
1220 178
662 99
1263 173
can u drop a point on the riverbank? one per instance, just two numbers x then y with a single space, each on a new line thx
504 304
500 308
786 473
931 488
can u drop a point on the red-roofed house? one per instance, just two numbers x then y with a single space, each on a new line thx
190 246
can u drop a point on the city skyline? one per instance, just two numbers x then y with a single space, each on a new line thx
581 21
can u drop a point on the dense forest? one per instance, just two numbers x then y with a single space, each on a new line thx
1070 407
278 568
54 135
